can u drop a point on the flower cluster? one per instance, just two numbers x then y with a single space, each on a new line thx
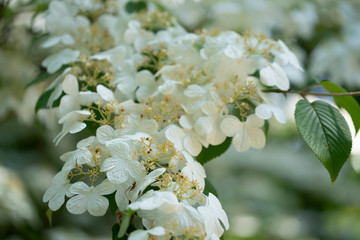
155 96
316 28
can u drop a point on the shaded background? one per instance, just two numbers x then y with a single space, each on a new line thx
279 192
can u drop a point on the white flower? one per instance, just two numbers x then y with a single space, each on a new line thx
137 36
133 188
90 199
144 234
65 39
74 99
106 133
55 194
287 57
115 55
210 125
224 67
153 200
245 134
80 156
265 111
121 166
161 208
134 124
72 123
56 60
212 212
147 84
185 138
194 170
274 75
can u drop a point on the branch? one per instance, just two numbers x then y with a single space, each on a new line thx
305 92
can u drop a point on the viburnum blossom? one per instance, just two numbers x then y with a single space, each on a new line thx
152 97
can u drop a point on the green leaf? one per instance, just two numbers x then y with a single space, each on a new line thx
40 78
347 102
209 188
212 151
45 75
112 203
326 132
132 7
115 230
125 222
49 216
43 100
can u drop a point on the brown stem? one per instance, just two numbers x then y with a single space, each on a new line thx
313 94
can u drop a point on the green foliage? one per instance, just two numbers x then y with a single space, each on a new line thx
125 222
209 188
133 7
347 102
45 75
326 132
43 100
112 203
49 216
212 151
115 230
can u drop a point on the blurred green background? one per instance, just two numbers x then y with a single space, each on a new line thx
279 192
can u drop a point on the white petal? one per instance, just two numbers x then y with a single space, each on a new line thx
204 125
291 57
76 127
116 170
105 188
144 77
97 205
194 90
274 75
192 145
157 231
263 111
230 125
175 135
135 169
234 51
139 235
68 104
57 200
105 93
279 114
148 125
77 204
51 191
257 138
212 224
70 85
87 97
185 122
121 198
79 187
105 133
241 141
216 137
254 121
209 108
118 148
84 157
216 207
